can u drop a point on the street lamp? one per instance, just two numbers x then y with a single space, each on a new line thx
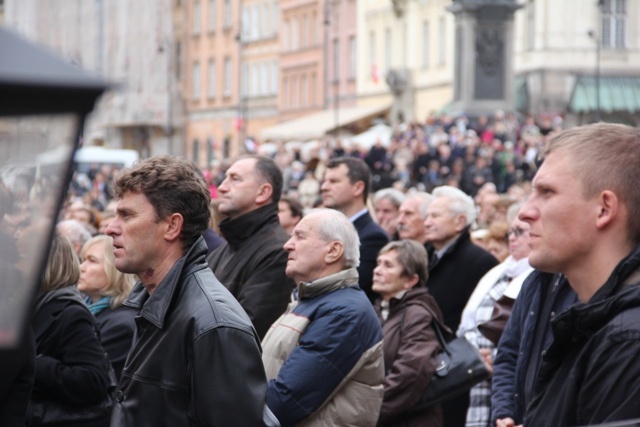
44 101
598 40
240 123
595 37
331 8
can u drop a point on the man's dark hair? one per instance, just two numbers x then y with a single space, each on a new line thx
270 172
172 185
294 206
357 170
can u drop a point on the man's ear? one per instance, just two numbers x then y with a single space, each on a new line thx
174 226
335 252
358 189
460 222
265 191
413 280
609 204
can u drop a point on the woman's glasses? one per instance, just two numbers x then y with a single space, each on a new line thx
516 231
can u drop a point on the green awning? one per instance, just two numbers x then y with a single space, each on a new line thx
621 94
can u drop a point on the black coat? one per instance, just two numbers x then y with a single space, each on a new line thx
71 365
251 264
16 381
453 277
590 374
451 281
372 239
116 333
196 358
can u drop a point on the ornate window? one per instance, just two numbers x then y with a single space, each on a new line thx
614 24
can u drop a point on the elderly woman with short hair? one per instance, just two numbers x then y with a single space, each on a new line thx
406 310
106 288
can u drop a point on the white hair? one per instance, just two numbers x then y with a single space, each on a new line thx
394 195
459 202
74 231
334 225
425 200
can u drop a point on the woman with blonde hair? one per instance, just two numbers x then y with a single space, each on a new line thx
72 371
106 288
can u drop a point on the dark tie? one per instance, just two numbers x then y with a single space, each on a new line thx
433 260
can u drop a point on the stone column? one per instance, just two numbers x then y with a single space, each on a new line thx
483 72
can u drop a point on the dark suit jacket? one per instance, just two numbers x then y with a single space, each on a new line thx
372 239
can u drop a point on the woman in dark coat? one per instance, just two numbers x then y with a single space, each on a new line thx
106 288
406 310
72 370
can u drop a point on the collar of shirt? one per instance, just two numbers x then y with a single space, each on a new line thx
442 251
358 215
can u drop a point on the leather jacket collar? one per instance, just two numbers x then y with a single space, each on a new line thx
154 307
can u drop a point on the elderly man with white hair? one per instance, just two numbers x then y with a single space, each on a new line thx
413 212
75 231
323 357
456 265
386 203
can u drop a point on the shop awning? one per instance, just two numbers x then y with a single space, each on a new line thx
617 94
316 125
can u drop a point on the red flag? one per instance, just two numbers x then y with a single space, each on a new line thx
375 74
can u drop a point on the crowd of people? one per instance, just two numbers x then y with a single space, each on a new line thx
284 290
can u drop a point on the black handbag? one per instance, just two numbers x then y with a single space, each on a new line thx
494 327
459 366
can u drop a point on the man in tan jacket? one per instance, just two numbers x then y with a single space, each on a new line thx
323 357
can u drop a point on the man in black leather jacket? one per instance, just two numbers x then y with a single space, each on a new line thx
195 358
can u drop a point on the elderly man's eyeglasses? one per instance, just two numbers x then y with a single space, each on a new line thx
517 232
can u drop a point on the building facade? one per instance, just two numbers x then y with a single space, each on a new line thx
132 46
212 76
260 65
566 52
200 78
409 44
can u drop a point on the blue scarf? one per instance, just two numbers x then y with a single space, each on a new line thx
98 306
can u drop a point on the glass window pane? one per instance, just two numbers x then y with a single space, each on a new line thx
35 157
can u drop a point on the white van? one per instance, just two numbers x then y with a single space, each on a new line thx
86 157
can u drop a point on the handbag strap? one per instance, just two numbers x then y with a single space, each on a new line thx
435 323
438 329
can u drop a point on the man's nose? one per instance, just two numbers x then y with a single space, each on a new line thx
223 186
111 228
